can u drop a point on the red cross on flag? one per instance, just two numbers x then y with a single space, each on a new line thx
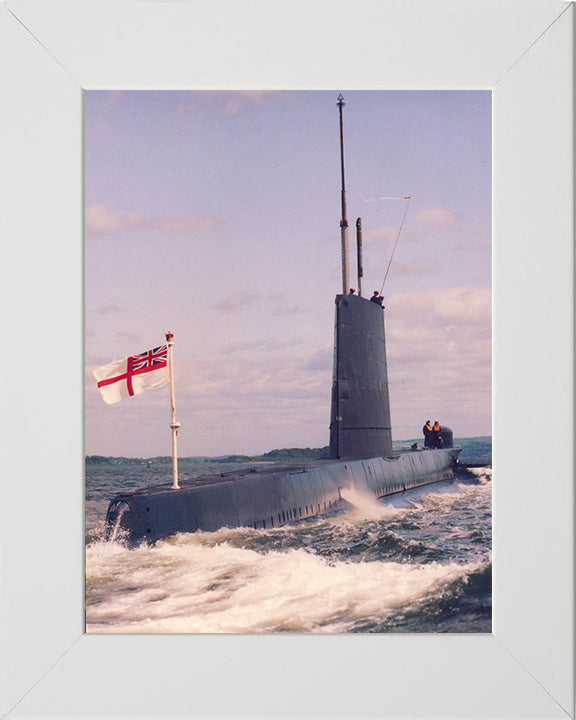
133 375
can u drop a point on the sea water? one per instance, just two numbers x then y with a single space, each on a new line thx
419 562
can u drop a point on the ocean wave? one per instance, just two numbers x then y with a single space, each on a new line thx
482 474
186 586
461 605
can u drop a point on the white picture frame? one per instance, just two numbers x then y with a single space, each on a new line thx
51 51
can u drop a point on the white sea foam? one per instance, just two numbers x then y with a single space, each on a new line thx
366 506
484 474
454 492
187 586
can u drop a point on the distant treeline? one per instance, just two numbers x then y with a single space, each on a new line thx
109 460
272 456
284 454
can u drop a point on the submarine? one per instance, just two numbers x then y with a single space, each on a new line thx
361 456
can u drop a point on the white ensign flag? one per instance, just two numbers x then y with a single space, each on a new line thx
133 375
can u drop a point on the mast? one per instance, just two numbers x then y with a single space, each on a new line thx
174 424
359 257
344 220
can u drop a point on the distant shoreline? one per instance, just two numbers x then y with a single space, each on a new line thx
277 455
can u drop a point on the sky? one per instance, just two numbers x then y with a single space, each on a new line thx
216 216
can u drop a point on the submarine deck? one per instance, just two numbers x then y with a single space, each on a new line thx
264 470
268 470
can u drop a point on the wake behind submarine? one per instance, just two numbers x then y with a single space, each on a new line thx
361 454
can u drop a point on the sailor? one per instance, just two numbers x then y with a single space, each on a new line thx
376 298
352 291
437 438
428 434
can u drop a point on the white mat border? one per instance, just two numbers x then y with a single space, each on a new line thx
55 48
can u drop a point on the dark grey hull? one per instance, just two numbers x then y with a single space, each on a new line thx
271 496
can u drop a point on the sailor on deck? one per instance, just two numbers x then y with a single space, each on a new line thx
437 437
428 434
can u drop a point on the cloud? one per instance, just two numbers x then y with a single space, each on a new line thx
237 102
235 301
275 302
232 102
480 241
439 358
237 384
254 404
288 310
93 361
426 220
131 338
460 305
183 224
264 345
435 216
423 266
100 219
320 361
385 233
280 306
108 309
462 309
112 98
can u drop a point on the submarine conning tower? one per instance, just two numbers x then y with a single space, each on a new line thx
360 413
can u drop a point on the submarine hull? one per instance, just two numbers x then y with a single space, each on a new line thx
271 496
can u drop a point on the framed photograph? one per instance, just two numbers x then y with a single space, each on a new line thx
53 53
306 493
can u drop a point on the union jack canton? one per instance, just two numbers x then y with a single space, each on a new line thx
156 358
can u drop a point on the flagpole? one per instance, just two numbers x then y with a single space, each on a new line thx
174 425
